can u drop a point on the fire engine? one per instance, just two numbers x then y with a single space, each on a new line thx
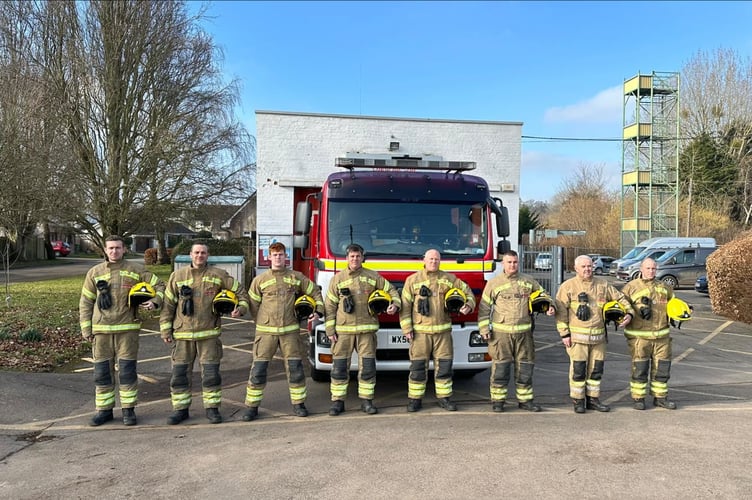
396 208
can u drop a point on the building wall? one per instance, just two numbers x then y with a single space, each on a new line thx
299 149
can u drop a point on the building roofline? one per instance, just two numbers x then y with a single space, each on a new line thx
226 224
386 118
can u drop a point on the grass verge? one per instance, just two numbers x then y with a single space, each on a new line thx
39 331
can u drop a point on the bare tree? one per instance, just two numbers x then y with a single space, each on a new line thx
32 148
139 89
583 204
717 102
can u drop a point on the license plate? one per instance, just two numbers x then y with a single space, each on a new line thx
398 340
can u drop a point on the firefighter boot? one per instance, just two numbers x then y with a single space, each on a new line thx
447 404
250 414
300 410
579 405
638 403
100 417
595 404
367 407
414 405
177 416
129 416
498 406
529 406
664 403
337 408
213 415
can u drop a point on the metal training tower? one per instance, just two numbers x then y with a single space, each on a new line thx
650 158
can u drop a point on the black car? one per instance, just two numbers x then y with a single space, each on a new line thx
701 285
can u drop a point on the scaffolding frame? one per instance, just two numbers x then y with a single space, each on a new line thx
650 158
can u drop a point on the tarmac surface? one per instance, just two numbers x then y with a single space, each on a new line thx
48 450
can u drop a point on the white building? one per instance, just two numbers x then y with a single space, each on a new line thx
297 151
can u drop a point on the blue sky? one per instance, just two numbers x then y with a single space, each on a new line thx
558 67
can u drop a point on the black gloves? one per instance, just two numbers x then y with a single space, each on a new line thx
348 304
645 311
423 307
583 310
186 293
104 299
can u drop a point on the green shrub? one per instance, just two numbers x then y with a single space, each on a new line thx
4 333
31 335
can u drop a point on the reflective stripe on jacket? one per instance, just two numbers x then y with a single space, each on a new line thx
272 300
658 294
439 320
505 304
205 282
120 277
598 292
361 283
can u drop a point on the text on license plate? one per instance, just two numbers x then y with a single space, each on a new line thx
397 340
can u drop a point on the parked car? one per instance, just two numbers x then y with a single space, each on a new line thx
61 248
629 270
601 263
682 266
701 285
543 262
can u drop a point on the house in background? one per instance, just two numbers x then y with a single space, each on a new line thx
210 218
145 237
242 222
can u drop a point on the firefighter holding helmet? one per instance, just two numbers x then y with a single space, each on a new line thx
506 321
280 299
196 298
351 323
113 292
648 336
581 325
429 298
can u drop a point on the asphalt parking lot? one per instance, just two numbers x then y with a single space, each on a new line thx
47 450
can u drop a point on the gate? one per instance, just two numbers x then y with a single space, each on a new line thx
545 264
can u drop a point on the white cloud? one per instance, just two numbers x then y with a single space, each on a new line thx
605 107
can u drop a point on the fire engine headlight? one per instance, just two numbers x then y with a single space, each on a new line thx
322 339
476 340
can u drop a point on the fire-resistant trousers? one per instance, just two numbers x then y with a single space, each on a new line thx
264 348
505 350
422 347
108 349
342 349
184 353
653 357
586 369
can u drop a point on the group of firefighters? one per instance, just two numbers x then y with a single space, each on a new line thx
195 297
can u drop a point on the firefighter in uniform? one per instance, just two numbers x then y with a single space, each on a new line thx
580 323
427 324
112 325
190 323
648 337
274 297
505 320
350 325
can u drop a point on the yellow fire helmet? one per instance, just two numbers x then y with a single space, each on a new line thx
613 312
378 302
539 302
678 311
140 293
304 306
454 299
224 302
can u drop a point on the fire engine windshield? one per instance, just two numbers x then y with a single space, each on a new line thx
408 229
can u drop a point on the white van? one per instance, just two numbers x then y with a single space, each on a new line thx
663 242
